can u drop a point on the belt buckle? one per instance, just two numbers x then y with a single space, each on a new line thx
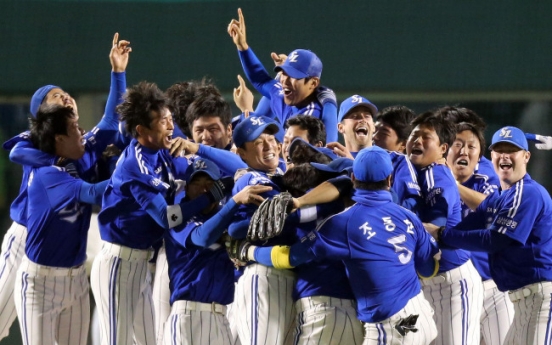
526 292
214 309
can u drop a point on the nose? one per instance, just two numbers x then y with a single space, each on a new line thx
205 134
170 124
464 150
81 131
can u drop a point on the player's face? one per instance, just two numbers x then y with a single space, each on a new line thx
297 90
209 130
262 153
386 138
199 185
291 133
424 147
357 127
510 163
159 134
60 97
463 155
71 145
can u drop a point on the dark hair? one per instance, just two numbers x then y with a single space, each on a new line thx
444 128
461 114
182 95
299 179
399 118
379 185
477 131
304 154
207 105
138 104
50 120
316 130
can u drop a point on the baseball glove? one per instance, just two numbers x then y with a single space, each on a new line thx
237 250
268 221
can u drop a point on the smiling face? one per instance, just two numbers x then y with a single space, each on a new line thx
386 138
296 91
71 145
424 147
159 134
463 155
60 97
357 128
510 163
291 133
209 130
262 153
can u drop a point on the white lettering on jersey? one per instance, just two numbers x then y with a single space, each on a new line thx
388 223
367 230
410 226
71 212
404 253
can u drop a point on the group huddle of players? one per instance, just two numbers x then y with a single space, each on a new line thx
264 229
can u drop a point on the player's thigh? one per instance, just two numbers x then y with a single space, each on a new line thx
196 327
74 319
532 322
144 317
161 293
496 316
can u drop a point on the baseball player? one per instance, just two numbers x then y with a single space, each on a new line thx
201 275
13 245
393 128
137 209
517 239
456 293
463 157
308 128
299 90
382 246
52 297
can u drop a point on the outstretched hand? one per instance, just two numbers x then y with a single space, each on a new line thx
236 30
120 51
278 59
181 147
243 97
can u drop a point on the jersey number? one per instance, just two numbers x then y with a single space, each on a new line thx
404 253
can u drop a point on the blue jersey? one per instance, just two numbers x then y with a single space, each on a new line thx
441 207
405 182
141 174
380 243
523 213
486 185
272 89
199 274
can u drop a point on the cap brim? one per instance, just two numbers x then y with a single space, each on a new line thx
324 167
206 172
372 108
509 142
291 72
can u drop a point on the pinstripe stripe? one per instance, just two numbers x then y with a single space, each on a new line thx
112 307
548 337
299 327
25 331
254 306
174 321
8 253
465 310
382 336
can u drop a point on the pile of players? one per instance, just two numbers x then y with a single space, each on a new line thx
263 229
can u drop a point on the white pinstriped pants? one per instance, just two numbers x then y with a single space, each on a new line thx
53 304
121 284
326 320
161 293
13 251
264 307
384 332
457 299
496 316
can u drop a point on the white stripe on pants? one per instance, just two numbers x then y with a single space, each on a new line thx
264 308
53 304
384 332
187 326
13 251
161 293
122 291
497 315
326 320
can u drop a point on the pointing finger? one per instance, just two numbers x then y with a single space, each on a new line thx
115 38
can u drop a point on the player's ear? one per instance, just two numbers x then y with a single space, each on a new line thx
314 82
402 146
140 130
240 152
389 180
229 130
527 157
444 149
340 128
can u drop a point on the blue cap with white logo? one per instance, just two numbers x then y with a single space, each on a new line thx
511 135
39 96
252 127
301 63
353 102
202 165
372 164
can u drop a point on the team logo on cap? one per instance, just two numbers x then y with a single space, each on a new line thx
257 121
200 165
356 99
293 57
505 133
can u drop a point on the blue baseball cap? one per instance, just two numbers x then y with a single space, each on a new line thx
301 63
512 135
338 166
252 127
202 165
372 164
299 142
39 96
353 102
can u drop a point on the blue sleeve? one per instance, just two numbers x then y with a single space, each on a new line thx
227 161
24 153
110 120
484 240
299 253
210 231
256 73
263 108
329 117
157 209
238 229
325 242
531 137
426 248
91 193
